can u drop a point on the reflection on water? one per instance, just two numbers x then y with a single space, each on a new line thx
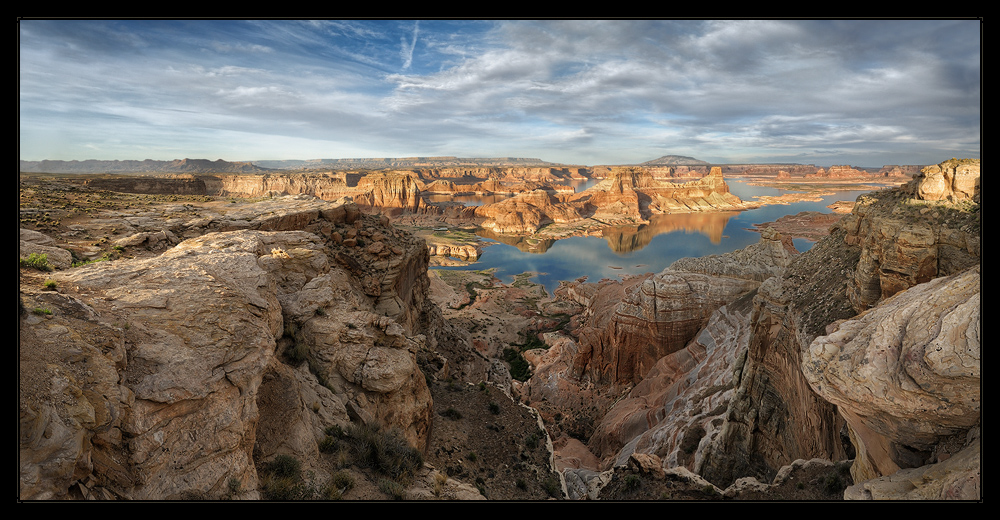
524 244
625 239
468 200
632 250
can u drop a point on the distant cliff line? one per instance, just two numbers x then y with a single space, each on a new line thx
674 167
264 166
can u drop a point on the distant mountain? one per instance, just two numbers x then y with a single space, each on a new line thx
146 166
674 160
401 162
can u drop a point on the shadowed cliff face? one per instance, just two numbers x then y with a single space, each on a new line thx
776 416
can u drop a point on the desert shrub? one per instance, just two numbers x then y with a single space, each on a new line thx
282 480
552 486
284 466
235 486
452 414
342 480
384 451
631 482
50 284
392 488
494 408
329 444
335 431
531 442
519 367
36 261
833 484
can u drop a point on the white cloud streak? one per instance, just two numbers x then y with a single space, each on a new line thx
570 91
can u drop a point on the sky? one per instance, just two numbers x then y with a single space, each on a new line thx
586 92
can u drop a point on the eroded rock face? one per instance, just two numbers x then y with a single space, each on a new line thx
680 404
658 317
773 417
526 213
906 240
389 191
327 186
952 180
776 416
166 365
628 196
905 374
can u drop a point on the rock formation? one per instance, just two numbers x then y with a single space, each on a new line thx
792 371
776 417
393 192
905 375
627 196
526 213
650 344
169 382
178 185
327 186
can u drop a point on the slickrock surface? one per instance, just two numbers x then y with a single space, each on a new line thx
184 371
776 416
905 374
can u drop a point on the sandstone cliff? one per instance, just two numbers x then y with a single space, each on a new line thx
327 186
628 196
175 376
776 416
791 372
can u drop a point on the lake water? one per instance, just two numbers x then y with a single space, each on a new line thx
649 248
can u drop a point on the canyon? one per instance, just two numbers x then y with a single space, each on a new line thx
188 331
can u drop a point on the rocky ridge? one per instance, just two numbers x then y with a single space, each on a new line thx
181 374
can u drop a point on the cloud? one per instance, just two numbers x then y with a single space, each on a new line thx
406 51
607 90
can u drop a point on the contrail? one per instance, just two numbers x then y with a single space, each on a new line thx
407 52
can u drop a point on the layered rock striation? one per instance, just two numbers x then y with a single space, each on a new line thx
776 415
628 196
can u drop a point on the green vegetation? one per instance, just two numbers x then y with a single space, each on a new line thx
552 486
531 442
36 261
519 367
50 284
282 480
235 487
386 452
392 488
41 311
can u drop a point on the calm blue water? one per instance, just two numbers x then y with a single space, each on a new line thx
572 258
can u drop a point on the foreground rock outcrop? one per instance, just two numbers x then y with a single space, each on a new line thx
905 375
175 375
